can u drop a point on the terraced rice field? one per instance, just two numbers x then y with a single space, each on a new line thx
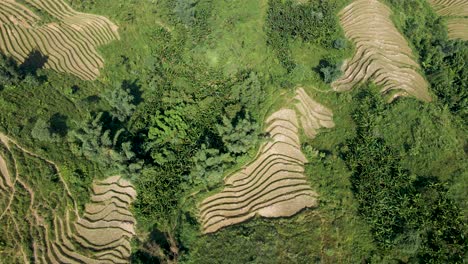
40 219
458 28
107 225
382 54
313 115
450 7
274 184
69 42
456 12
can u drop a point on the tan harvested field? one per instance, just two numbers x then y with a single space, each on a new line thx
106 223
70 41
274 184
458 28
313 115
51 230
5 179
382 54
456 12
450 7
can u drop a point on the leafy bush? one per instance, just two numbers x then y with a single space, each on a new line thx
159 194
185 11
329 71
194 14
312 22
42 131
340 43
167 133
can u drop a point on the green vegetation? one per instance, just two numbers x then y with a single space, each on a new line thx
410 214
181 103
313 22
36 190
41 131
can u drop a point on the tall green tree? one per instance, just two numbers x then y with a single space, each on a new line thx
121 102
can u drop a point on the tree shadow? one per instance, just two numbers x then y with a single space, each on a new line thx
75 88
92 99
135 90
159 238
423 182
327 152
155 250
35 61
58 124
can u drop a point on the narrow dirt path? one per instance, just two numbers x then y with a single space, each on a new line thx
30 191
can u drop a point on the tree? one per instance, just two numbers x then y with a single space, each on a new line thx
209 166
167 133
329 71
238 138
9 71
121 102
41 131
103 146
248 94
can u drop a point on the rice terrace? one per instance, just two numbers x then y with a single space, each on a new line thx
382 54
67 38
456 12
240 131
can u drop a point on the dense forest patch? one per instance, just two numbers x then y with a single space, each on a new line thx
410 213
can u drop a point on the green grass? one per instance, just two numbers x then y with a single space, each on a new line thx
236 41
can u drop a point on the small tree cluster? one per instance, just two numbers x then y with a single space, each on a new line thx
238 138
98 144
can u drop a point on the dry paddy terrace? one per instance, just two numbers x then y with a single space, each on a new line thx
382 54
68 39
456 13
274 184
